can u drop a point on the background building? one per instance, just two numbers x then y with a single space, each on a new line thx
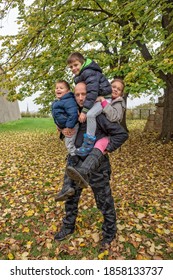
9 111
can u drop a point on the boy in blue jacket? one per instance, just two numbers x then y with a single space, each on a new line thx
65 113
89 72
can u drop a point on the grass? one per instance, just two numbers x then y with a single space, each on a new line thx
29 124
47 125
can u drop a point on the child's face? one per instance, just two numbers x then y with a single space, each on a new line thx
60 90
117 89
75 67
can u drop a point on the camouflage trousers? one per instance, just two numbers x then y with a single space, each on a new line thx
99 182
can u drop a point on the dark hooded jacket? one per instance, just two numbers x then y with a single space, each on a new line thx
96 83
65 111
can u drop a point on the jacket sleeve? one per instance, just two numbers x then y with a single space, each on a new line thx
116 133
72 114
114 113
91 79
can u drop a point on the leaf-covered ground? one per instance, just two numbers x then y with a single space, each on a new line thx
32 165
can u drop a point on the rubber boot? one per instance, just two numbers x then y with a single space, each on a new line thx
87 145
81 174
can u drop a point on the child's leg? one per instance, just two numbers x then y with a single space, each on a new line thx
89 136
91 118
102 144
69 141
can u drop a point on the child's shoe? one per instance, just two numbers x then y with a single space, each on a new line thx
87 145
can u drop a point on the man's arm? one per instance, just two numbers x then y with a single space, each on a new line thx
114 131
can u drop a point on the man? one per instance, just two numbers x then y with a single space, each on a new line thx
98 181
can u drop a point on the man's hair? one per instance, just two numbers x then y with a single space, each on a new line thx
75 56
119 80
63 82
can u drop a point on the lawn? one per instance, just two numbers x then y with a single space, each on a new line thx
32 164
29 124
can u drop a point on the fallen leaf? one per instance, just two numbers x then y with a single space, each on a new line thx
103 254
29 213
10 256
140 215
95 237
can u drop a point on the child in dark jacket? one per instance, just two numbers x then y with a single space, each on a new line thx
88 71
65 113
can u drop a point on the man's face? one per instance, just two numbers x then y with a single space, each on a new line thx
75 67
80 94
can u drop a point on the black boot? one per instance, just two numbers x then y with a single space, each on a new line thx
67 189
81 174
63 233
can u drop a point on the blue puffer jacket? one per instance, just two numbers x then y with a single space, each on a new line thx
96 83
65 111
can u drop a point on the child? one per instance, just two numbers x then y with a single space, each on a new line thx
114 110
88 71
65 113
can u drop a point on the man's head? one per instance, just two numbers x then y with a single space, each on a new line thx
75 62
80 93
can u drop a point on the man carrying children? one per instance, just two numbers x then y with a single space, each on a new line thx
99 175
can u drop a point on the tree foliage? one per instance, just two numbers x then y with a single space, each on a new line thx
131 39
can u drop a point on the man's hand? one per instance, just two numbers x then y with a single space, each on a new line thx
68 132
59 129
82 117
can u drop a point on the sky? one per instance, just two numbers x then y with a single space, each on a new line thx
9 27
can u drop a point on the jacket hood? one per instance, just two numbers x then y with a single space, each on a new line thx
67 95
91 64
119 99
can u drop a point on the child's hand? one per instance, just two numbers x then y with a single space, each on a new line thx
82 117
100 98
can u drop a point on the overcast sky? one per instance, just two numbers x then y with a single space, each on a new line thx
9 27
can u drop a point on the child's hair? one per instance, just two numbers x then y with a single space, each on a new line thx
63 82
75 56
119 80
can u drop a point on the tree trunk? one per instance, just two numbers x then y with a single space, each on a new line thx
167 124
123 123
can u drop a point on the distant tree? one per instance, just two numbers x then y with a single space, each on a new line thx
149 105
